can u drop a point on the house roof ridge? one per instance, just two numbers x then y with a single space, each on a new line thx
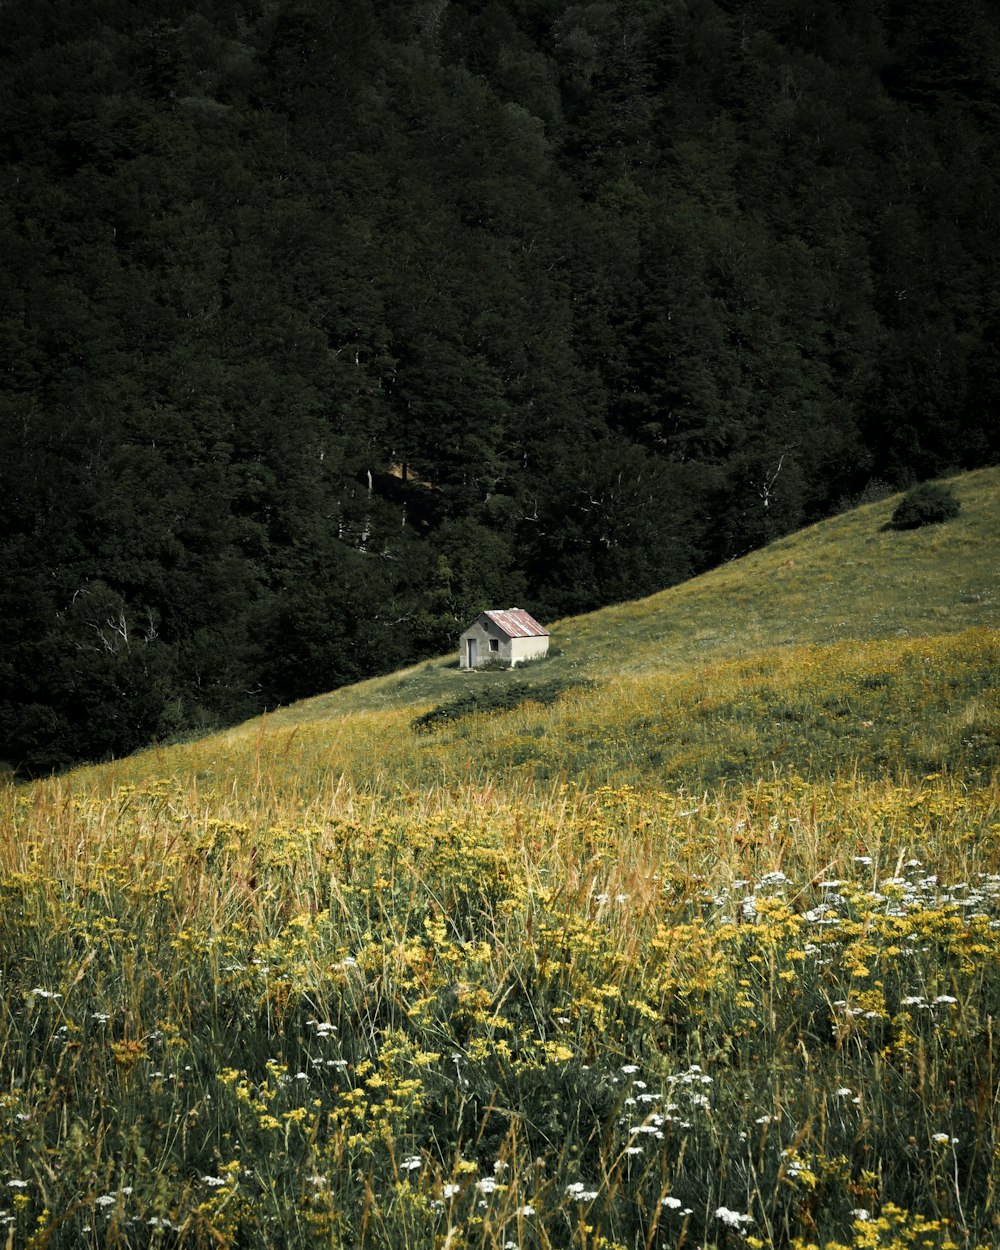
516 623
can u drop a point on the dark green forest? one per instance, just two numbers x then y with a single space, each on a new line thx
327 323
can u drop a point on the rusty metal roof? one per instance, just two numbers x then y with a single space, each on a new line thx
516 623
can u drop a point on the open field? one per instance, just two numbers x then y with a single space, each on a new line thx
693 942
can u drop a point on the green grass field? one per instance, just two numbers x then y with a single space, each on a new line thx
686 935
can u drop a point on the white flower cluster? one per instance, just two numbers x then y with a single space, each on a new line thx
686 1100
913 891
484 1186
733 1219
916 892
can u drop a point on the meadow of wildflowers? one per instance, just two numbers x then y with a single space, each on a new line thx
705 957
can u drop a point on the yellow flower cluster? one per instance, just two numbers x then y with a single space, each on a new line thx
285 1007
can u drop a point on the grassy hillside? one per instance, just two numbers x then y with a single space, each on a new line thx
686 936
847 646
850 578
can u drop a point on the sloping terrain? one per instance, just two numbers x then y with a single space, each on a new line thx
687 935
849 578
848 643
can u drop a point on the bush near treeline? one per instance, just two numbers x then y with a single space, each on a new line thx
926 504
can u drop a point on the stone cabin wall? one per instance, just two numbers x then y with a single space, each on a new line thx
522 649
483 632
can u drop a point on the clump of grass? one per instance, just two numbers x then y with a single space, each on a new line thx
497 698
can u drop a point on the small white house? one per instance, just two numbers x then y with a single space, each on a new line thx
512 636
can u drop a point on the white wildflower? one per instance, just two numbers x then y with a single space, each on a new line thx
732 1219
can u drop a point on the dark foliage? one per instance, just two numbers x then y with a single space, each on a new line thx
925 504
499 697
326 324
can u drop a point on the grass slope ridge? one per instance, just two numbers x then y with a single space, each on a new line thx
703 954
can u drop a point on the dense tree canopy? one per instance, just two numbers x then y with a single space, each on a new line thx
326 323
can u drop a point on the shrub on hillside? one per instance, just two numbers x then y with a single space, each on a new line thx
493 665
925 504
502 698
874 491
